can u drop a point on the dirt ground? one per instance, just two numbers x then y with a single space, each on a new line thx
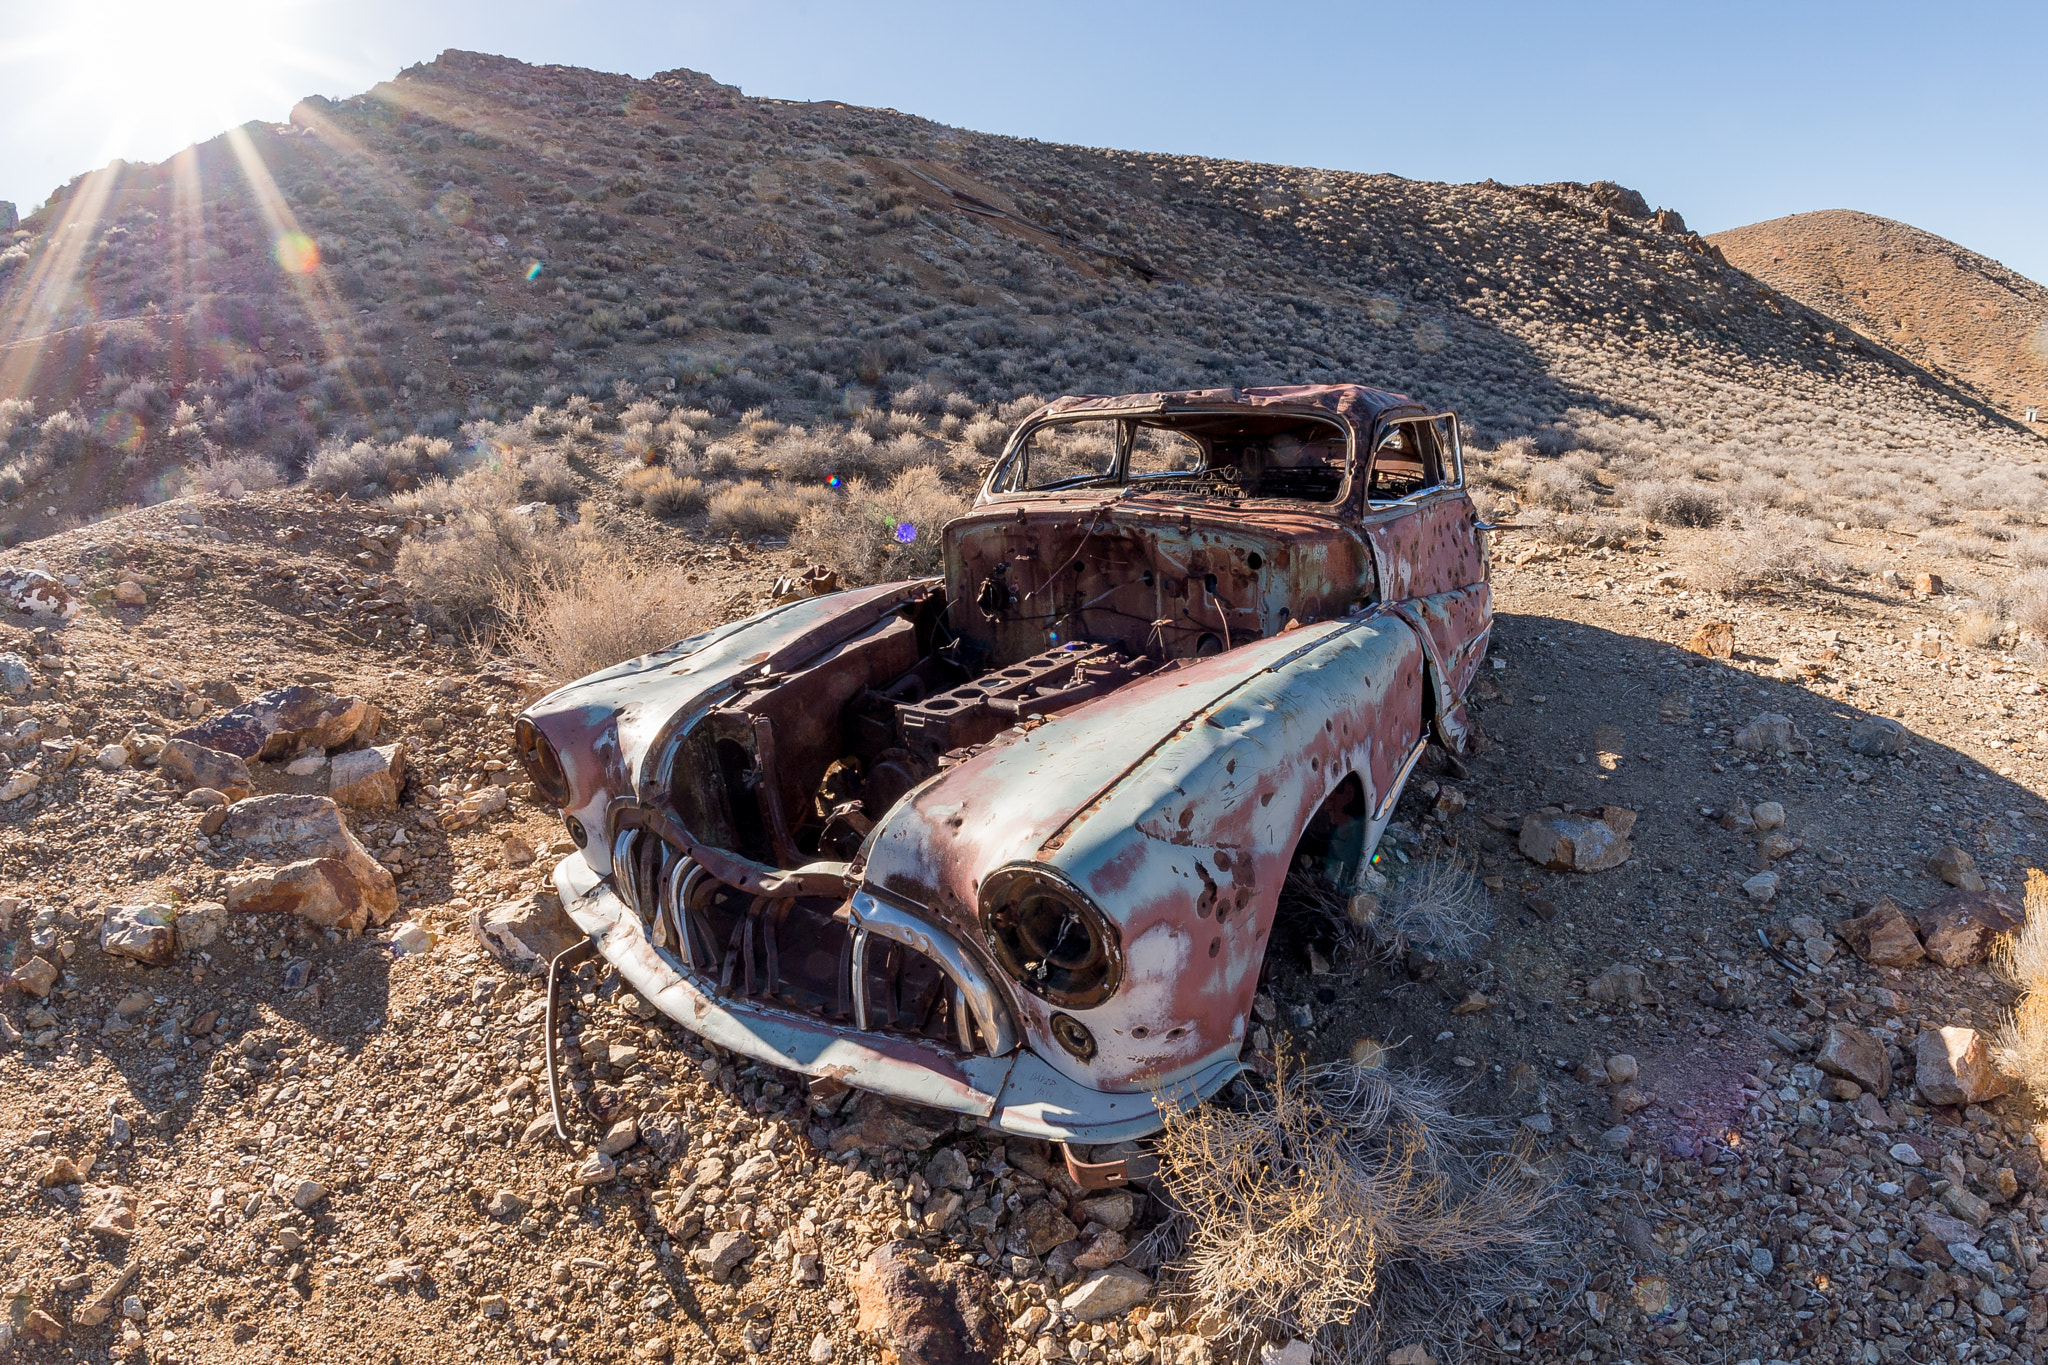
1749 1213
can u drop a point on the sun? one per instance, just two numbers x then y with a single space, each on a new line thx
155 76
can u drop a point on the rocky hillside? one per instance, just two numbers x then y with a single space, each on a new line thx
1957 314
480 236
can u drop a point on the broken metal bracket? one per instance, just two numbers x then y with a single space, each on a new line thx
1105 1175
569 957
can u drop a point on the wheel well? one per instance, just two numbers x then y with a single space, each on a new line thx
1326 857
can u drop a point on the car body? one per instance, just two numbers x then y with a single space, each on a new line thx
1009 841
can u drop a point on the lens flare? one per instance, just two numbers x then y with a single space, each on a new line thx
119 430
298 254
834 482
455 207
533 272
905 533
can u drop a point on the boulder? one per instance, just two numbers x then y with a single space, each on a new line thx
35 976
280 723
525 934
922 1310
1855 1054
1577 843
200 924
141 932
1960 928
1953 1066
194 766
35 593
318 870
1876 737
368 778
1883 936
1771 733
1955 867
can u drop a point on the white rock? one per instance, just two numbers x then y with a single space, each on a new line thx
1761 887
113 758
821 1349
1768 815
1295 1352
307 766
18 784
1107 1293
1905 1154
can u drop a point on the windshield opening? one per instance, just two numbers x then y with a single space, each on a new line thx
1230 454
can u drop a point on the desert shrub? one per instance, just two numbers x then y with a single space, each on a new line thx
875 535
483 553
2021 1045
1354 1208
1558 486
2029 597
2030 551
382 468
544 474
750 508
1770 550
218 473
1958 543
986 435
664 492
569 623
1677 502
1978 629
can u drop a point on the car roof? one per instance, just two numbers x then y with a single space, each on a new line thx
1354 404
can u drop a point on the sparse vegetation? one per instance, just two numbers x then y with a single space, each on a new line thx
569 622
1356 1209
2022 958
874 535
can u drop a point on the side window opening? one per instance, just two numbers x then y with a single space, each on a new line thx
1406 462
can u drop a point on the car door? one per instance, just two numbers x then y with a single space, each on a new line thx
1428 549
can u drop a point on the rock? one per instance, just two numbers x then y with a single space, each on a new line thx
306 1194
1928 585
525 934
1953 1066
36 976
1947 1230
878 1125
1107 1294
280 723
1876 737
1872 1112
18 784
1295 1352
925 1311
15 678
37 593
1038 1228
410 939
1631 1099
1819 951
1767 815
113 758
1965 1206
664 1135
195 766
61 1171
141 932
1777 844
1618 1138
1956 867
1961 928
115 1221
1761 1262
1621 984
307 766
620 1136
129 593
1114 1210
517 851
821 1349
475 806
493 1306
508 1206
1714 639
1855 1054
1761 887
1883 937
1771 733
595 1169
40 1326
723 1253
1577 843
1621 1069
325 876
199 925
370 779
948 1170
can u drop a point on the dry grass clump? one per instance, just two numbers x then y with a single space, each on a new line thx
663 492
1355 1209
467 563
220 474
546 475
1440 905
1979 629
1678 502
750 508
373 468
2021 1047
1771 550
2029 602
875 535
572 622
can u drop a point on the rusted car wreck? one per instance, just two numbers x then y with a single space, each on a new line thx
1009 842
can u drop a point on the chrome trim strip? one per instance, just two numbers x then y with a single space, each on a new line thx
991 1018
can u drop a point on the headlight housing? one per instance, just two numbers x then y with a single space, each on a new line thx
543 765
1050 938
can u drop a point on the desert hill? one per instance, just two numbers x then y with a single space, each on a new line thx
1956 313
479 237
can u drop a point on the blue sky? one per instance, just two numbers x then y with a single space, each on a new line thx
1731 114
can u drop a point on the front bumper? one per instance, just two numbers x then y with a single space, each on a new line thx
1016 1094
